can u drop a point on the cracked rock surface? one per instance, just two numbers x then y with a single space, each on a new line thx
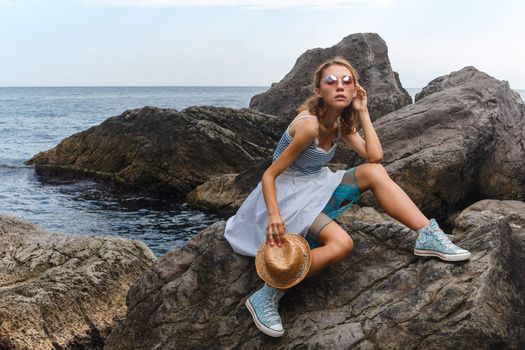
462 141
62 291
163 149
381 296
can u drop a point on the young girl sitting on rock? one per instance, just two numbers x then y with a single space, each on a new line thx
300 195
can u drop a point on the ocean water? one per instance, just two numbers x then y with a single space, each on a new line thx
36 119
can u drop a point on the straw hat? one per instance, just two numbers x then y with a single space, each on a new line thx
285 266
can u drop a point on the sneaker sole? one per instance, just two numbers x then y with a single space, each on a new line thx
263 328
446 257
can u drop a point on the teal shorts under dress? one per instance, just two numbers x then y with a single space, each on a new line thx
344 196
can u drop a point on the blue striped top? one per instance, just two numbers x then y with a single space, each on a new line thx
312 158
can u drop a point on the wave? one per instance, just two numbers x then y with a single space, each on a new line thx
14 164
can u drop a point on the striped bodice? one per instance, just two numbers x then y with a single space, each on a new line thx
311 159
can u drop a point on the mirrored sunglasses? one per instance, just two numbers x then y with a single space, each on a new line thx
332 80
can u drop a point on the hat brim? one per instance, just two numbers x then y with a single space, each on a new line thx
263 273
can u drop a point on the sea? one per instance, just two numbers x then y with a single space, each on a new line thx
35 119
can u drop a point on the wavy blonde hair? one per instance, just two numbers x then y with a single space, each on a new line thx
315 105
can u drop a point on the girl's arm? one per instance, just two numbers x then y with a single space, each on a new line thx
369 148
306 131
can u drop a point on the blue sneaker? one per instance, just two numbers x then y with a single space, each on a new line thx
432 241
263 306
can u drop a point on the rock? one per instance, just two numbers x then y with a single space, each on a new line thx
512 212
464 76
163 149
63 291
463 142
364 214
369 55
219 195
193 297
224 194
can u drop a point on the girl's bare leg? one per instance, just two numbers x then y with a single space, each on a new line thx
394 201
336 245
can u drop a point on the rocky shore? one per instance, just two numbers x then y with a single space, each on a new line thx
458 151
381 297
63 291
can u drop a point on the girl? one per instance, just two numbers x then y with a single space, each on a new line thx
299 194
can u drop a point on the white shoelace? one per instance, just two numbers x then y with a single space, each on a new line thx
271 314
443 239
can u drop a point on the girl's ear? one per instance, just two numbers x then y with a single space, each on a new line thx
317 92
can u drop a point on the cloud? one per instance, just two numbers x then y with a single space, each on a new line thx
252 4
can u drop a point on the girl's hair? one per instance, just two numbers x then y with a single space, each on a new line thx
315 104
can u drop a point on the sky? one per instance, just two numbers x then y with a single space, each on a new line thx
247 42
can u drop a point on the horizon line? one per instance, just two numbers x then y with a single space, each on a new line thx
164 86
80 86
97 86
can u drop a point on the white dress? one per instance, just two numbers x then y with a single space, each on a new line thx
302 192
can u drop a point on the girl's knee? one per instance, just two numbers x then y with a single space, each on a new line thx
337 240
377 168
342 248
374 170
348 245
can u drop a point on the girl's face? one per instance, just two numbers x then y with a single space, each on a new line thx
337 87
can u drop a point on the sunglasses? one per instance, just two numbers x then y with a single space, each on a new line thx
332 80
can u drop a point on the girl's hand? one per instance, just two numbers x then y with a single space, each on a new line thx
359 101
275 230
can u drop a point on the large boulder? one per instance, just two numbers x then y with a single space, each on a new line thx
463 140
512 212
163 149
63 291
502 172
451 80
381 296
369 55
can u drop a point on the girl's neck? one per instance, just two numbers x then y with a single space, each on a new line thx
330 117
